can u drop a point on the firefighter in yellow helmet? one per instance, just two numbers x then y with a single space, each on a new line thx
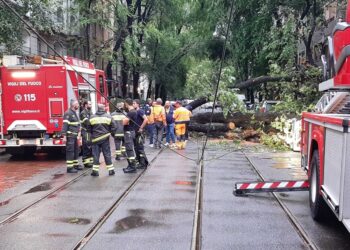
182 117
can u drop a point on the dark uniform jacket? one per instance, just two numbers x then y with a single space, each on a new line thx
118 121
84 118
71 123
100 126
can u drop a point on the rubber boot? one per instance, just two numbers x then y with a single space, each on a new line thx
78 167
117 158
143 163
94 173
72 170
111 172
88 165
131 168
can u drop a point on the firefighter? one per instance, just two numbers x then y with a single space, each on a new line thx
87 149
118 117
129 135
141 122
182 117
70 128
101 126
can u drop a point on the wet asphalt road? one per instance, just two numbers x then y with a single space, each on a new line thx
330 234
158 213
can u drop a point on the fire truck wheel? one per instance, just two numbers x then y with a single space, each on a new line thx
317 204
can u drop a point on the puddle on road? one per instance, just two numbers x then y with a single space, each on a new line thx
188 183
283 195
76 221
130 222
4 203
57 176
42 187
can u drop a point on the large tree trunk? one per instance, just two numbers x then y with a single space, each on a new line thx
244 120
215 127
125 78
196 103
261 79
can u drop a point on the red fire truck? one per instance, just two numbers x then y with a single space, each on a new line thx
34 97
325 137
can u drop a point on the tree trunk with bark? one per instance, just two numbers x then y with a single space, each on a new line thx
243 120
196 103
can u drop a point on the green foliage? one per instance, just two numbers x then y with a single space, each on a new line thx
272 141
40 14
202 81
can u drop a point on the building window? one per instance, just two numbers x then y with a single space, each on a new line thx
59 15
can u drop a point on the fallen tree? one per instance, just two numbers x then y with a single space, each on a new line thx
244 120
215 127
197 103
261 79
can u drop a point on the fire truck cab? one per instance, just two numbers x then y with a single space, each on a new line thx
34 96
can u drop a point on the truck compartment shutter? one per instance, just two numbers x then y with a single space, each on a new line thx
56 107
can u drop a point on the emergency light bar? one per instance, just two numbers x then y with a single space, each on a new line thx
23 74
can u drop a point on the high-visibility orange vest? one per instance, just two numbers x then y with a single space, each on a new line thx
182 115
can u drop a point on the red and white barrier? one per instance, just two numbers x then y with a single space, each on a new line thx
275 186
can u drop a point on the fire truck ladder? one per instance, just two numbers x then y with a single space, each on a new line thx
334 102
243 188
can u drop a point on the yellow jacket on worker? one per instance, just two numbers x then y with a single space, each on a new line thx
182 117
158 114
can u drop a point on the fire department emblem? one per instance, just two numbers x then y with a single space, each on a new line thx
18 97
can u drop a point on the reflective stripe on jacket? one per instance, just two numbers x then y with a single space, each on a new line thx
84 118
118 120
100 126
71 123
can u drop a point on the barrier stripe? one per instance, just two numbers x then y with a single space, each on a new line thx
272 186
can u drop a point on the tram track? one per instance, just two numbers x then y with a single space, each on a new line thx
14 215
109 211
296 225
63 186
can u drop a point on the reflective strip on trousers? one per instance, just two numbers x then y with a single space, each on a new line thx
110 167
87 160
118 152
95 167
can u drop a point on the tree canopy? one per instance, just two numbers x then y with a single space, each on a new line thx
178 44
